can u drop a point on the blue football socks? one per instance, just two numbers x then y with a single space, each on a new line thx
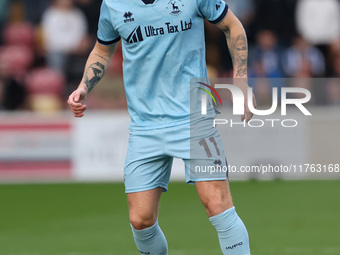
151 240
232 233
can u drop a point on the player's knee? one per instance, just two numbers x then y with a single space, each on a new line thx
139 222
215 206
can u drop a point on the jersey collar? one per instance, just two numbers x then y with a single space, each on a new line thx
148 1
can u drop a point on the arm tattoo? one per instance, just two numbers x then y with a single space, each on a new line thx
94 74
102 58
238 49
242 72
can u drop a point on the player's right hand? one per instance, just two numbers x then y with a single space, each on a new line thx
76 102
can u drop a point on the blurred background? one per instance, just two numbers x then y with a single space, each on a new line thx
43 48
44 45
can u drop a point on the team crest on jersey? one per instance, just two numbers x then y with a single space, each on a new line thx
175 7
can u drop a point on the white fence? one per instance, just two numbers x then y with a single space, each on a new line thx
59 148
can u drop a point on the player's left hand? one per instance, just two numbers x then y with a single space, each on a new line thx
248 113
243 85
76 102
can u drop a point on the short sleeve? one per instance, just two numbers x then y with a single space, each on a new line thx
213 10
106 34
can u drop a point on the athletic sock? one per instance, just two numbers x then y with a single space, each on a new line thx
151 240
232 233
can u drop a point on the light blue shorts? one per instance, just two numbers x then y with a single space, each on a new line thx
151 152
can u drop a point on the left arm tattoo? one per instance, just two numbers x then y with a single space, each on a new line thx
238 48
94 74
103 58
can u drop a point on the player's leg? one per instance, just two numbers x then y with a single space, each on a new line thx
232 234
146 175
143 213
207 167
215 196
143 208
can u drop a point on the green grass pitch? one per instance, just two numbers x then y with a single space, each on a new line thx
282 217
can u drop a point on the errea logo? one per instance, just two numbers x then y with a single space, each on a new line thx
128 17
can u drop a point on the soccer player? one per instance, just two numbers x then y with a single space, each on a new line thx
163 49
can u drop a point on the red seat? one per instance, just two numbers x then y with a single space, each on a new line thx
19 58
19 34
45 81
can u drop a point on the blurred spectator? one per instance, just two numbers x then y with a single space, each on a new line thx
65 30
12 94
91 9
333 91
263 88
33 11
3 13
333 59
276 15
16 11
336 66
265 57
3 10
243 9
318 21
302 56
265 62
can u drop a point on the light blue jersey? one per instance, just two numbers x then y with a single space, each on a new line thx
163 48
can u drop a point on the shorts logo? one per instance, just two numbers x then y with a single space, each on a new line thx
175 10
217 162
135 36
128 17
